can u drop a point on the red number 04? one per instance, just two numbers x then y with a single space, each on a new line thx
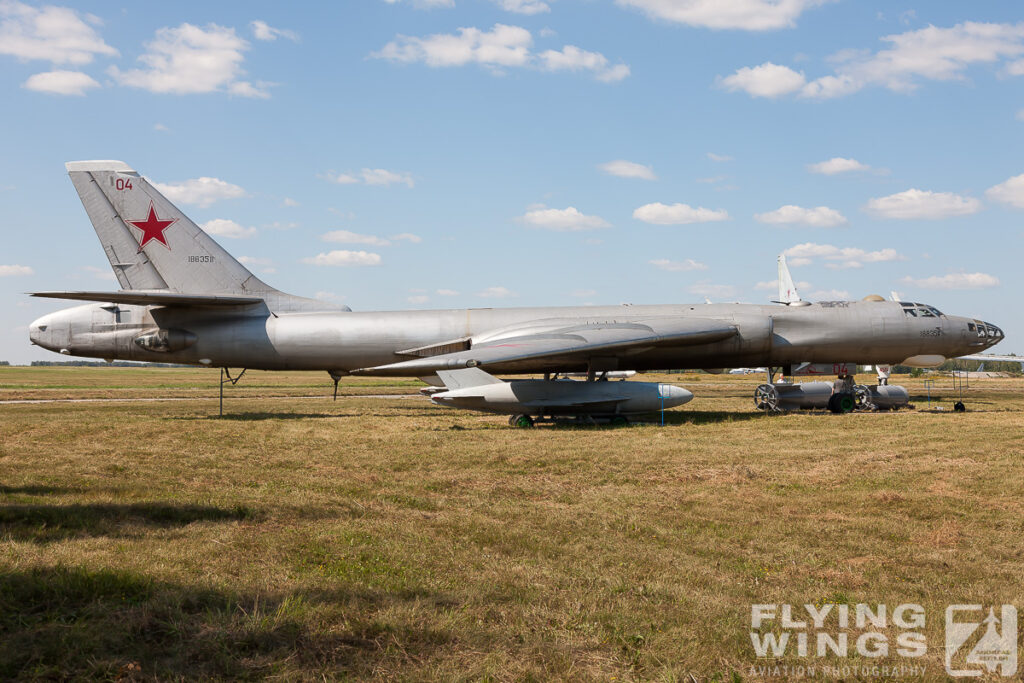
123 184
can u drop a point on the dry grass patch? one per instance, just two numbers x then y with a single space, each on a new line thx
388 538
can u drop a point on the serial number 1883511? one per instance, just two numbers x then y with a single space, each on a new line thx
201 259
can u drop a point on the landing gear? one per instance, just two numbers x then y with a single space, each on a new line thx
843 402
619 421
766 397
520 421
336 376
226 372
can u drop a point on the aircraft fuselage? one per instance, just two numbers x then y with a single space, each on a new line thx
342 341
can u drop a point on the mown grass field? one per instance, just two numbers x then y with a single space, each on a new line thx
300 538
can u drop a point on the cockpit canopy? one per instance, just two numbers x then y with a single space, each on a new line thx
920 310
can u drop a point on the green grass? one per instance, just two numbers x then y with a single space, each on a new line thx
389 538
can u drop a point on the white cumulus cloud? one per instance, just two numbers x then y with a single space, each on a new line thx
572 58
955 281
191 59
372 176
766 80
569 219
628 169
838 257
1010 191
922 204
837 165
928 54
500 48
201 192
678 266
222 227
12 270
349 237
747 15
61 82
523 6
678 214
818 217
447 292
343 257
261 30
55 34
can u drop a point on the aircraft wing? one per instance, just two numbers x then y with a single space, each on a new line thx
566 343
150 298
987 357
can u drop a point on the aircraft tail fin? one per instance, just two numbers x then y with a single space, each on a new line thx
465 378
787 289
150 243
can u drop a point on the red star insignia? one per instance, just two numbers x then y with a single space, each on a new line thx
152 228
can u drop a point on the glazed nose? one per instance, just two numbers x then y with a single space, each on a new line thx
995 335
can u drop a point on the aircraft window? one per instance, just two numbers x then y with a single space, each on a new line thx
925 312
934 310
970 326
910 312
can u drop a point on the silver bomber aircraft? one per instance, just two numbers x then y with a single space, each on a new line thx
184 299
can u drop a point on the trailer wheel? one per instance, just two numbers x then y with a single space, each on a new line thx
862 397
619 421
766 397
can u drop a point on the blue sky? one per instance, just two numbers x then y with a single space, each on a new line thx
458 153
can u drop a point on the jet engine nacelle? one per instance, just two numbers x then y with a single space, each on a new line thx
166 341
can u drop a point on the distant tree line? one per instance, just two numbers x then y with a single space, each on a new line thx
5 362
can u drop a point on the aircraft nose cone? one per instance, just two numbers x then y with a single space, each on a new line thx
675 396
37 330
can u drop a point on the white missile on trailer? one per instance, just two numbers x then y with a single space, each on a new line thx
474 389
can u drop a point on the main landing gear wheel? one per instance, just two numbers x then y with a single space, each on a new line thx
842 403
619 421
520 421
766 397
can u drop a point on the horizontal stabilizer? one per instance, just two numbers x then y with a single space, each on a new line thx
146 298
